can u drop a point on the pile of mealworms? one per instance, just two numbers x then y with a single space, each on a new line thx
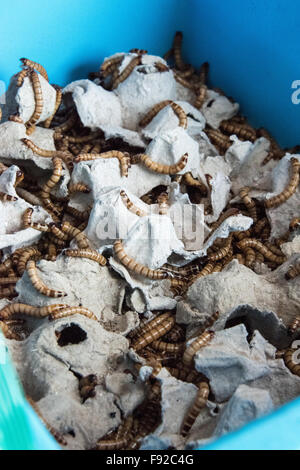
160 342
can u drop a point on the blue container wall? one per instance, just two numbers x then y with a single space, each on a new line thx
252 45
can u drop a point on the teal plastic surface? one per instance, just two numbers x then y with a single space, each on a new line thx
253 47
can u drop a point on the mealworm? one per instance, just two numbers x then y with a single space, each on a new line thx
36 66
6 197
67 125
21 76
38 284
46 188
153 334
257 245
201 92
134 266
28 197
24 309
179 63
9 280
250 257
203 72
289 362
162 201
289 190
56 434
123 157
130 206
193 348
87 386
89 253
109 63
8 332
295 325
199 403
259 258
15 118
183 81
274 249
189 180
208 268
19 177
222 252
66 312
27 221
294 223
161 67
180 113
52 253
65 156
241 235
5 266
58 99
73 232
181 271
6 292
293 272
126 72
39 102
177 334
161 168
145 326
78 187
259 225
81 215
138 51
3 168
240 130
173 348
219 139
249 203
57 232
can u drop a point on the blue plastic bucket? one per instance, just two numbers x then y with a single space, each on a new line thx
253 48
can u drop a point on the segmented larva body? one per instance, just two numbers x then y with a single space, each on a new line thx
66 312
153 334
80 215
135 50
178 286
222 252
81 139
161 67
203 72
56 434
201 93
179 63
289 190
35 65
105 68
257 245
58 233
39 102
161 168
289 362
6 265
27 221
189 180
65 156
24 309
25 256
199 403
277 251
293 272
162 201
177 334
147 326
52 252
2 167
46 188
7 292
260 225
243 132
123 157
130 206
217 138
112 444
58 99
78 187
193 348
29 197
8 331
208 269
180 79
89 254
180 113
134 266
173 348
295 223
9 280
73 232
15 118
6 197
249 203
126 72
295 325
38 284
21 76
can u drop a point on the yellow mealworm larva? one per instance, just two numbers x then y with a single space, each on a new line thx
180 79
89 254
46 188
52 252
21 76
243 132
73 232
81 215
160 345
179 63
38 284
259 225
29 197
249 203
6 292
257 245
293 366
66 312
294 223
293 272
8 332
289 189
222 252
193 348
3 168
39 102
57 232
153 112
153 334
219 139
6 265
132 265
35 65
145 326
250 257
130 206
161 67
107 64
162 201
201 92
161 168
199 403
126 72
295 325
27 221
24 309
203 72
9 280
123 158
78 187
189 180
208 269
135 50
15 118
6 197
182 117
58 99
